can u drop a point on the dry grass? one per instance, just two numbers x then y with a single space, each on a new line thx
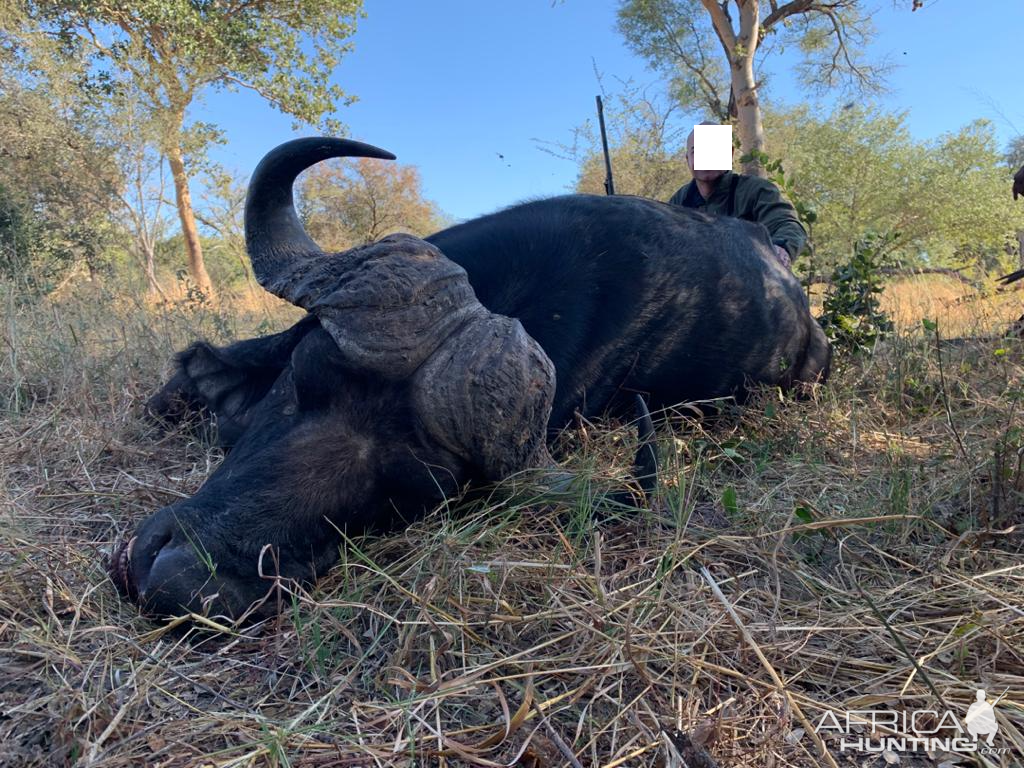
962 308
864 541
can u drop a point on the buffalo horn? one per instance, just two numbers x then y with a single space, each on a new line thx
277 244
486 395
399 308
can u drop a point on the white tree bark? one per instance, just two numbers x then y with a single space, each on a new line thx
740 49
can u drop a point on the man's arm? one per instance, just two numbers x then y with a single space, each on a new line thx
778 215
1018 183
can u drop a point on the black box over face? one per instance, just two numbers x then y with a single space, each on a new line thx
712 147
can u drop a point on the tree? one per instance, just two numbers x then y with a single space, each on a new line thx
678 38
646 143
175 50
224 217
1015 153
1015 161
344 203
58 180
863 172
144 210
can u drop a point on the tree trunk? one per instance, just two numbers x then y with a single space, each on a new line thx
748 114
748 106
739 50
183 198
149 267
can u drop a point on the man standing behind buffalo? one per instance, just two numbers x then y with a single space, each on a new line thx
745 197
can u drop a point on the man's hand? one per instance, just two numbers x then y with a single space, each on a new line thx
1018 183
783 255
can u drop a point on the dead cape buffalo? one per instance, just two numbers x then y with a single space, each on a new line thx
424 365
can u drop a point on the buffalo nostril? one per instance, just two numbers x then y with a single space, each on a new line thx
133 566
155 544
175 580
168 570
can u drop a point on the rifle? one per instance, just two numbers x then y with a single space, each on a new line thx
609 184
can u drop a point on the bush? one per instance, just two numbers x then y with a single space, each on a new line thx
853 318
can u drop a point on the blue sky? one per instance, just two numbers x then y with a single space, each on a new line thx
447 85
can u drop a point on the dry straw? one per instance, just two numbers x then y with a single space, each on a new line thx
800 558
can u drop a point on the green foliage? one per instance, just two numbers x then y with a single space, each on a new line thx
229 268
776 173
852 316
1015 153
22 240
861 170
58 184
168 53
173 49
344 203
222 220
677 38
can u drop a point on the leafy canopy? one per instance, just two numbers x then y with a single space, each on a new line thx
345 203
285 50
58 182
862 171
678 40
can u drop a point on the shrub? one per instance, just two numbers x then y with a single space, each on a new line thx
852 316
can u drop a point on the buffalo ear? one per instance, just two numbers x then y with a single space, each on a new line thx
318 370
486 395
223 384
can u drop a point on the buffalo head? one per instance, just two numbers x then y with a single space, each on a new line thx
400 389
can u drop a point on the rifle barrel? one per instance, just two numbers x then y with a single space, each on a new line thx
609 183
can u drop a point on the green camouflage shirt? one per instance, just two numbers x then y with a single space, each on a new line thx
751 198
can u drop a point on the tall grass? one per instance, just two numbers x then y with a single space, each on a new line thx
867 539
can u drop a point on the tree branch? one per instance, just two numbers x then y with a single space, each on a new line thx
138 76
227 77
789 9
723 27
841 50
697 69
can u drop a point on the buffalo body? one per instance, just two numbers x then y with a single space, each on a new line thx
424 365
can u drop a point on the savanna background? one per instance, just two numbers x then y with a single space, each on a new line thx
860 549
